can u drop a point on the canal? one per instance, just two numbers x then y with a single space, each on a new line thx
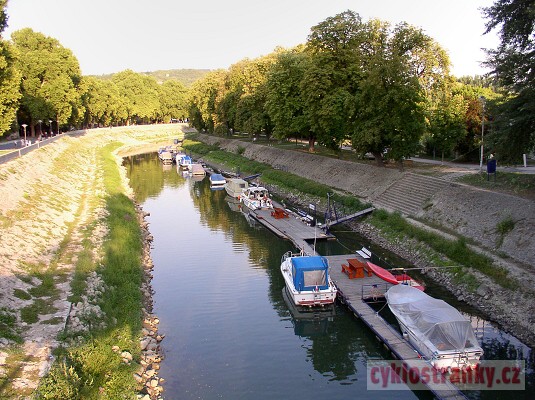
230 333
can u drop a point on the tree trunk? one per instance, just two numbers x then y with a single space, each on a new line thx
311 141
400 165
378 159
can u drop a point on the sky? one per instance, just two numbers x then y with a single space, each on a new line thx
109 36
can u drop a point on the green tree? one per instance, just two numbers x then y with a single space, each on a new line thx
330 81
284 101
251 113
140 96
390 106
173 98
50 78
102 103
447 121
3 15
202 102
512 64
9 78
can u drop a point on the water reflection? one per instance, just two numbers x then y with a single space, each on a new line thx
219 295
148 175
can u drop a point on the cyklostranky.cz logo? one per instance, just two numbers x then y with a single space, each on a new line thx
419 375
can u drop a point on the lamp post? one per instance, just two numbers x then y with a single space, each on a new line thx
482 99
40 130
24 127
50 122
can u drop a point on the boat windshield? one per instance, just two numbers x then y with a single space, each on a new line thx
315 278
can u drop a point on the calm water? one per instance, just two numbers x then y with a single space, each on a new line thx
230 334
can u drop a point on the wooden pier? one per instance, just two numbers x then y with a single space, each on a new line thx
355 293
291 228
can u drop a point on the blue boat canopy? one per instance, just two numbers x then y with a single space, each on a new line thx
310 273
217 178
185 159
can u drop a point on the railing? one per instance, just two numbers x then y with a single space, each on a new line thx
20 151
374 293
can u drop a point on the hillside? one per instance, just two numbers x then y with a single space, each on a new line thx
186 76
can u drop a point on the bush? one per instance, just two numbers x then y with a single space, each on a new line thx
62 382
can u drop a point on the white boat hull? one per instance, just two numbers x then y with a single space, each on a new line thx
256 198
439 359
307 298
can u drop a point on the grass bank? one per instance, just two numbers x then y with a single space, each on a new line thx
89 367
507 182
448 252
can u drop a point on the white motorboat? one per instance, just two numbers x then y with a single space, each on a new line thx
235 187
165 155
217 181
438 331
256 197
184 162
307 280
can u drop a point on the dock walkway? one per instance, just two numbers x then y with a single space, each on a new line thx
354 292
291 228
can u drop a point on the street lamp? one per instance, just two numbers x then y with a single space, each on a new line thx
40 130
24 127
50 122
482 99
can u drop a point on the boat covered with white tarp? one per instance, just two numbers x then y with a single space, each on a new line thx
438 331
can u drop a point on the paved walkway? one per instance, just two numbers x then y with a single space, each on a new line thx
530 169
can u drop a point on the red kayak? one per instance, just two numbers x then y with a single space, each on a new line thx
387 276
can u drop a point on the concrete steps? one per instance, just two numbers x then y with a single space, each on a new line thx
409 194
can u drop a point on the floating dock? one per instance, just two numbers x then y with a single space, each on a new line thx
291 228
356 294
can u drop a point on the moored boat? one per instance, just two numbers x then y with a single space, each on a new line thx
165 155
256 197
197 169
394 277
184 162
438 331
307 280
217 181
235 187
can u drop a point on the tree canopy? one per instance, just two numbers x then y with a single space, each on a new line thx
50 78
386 89
9 77
513 65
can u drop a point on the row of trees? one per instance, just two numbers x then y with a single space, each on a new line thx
386 89
41 81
